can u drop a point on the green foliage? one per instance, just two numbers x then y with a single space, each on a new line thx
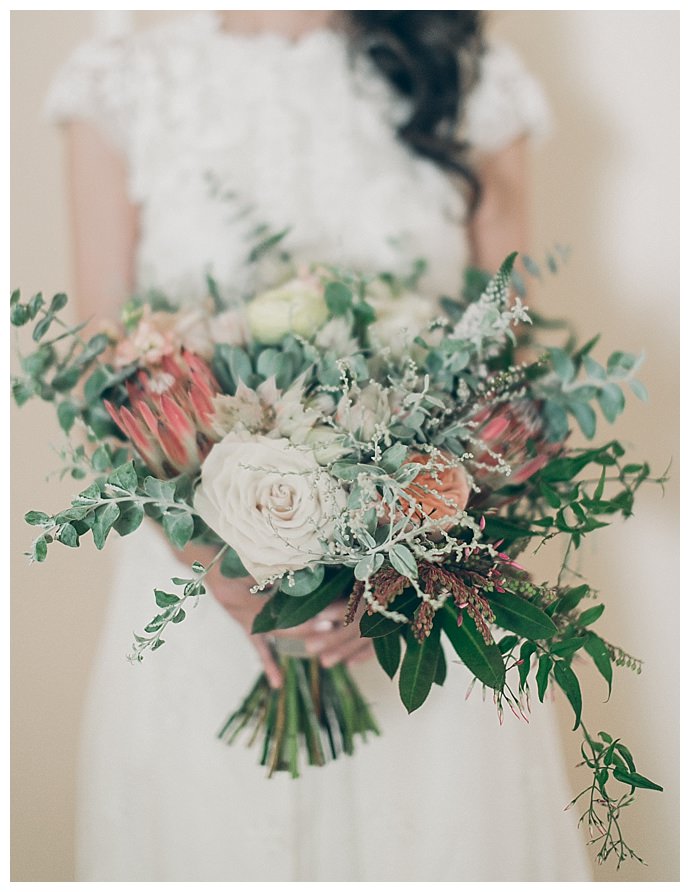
419 668
388 652
284 611
482 659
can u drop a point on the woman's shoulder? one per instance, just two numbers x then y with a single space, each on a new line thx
507 101
107 76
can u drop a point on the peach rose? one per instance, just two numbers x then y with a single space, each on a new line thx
441 491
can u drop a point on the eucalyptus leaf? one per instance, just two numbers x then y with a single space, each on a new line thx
106 515
304 582
178 527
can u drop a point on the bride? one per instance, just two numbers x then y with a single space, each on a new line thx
378 137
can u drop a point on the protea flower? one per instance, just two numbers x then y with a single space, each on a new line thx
168 418
511 436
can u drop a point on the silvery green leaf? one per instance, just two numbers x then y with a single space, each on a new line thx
531 266
179 528
612 401
106 516
163 490
562 364
368 566
556 419
303 582
639 390
585 416
393 457
620 363
68 536
593 368
37 518
130 519
267 362
403 561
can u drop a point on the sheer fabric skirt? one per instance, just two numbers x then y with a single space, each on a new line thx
445 794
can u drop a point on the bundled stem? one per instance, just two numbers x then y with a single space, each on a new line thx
317 714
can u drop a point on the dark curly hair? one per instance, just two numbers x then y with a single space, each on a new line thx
431 57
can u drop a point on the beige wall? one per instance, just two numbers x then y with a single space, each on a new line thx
605 184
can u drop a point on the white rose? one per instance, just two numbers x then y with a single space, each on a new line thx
270 501
400 319
297 307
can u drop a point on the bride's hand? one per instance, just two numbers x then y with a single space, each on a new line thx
324 636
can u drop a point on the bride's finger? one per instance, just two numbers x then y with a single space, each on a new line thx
271 668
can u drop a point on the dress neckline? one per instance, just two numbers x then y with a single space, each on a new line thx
320 35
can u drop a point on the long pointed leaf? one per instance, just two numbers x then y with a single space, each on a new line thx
518 615
482 659
284 612
418 669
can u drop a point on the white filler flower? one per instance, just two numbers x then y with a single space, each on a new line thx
270 501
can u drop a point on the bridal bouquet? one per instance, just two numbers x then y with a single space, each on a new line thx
336 441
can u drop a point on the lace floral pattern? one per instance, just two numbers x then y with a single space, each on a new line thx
223 133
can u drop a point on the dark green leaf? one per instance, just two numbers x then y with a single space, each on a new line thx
41 327
165 599
95 384
568 646
59 302
441 668
591 615
482 659
567 681
551 496
231 566
599 653
338 298
526 651
418 668
518 615
284 612
388 652
545 664
179 615
635 780
376 625
572 598
507 643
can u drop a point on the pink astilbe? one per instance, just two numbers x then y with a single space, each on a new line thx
168 416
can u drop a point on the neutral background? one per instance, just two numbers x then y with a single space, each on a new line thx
606 183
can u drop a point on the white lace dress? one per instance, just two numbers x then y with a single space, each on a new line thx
223 134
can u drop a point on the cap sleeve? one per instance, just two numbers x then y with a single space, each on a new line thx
506 102
95 84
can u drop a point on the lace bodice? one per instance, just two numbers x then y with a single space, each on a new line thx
224 134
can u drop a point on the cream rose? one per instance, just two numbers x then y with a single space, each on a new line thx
297 307
270 501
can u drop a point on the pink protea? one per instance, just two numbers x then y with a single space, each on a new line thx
510 434
168 414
